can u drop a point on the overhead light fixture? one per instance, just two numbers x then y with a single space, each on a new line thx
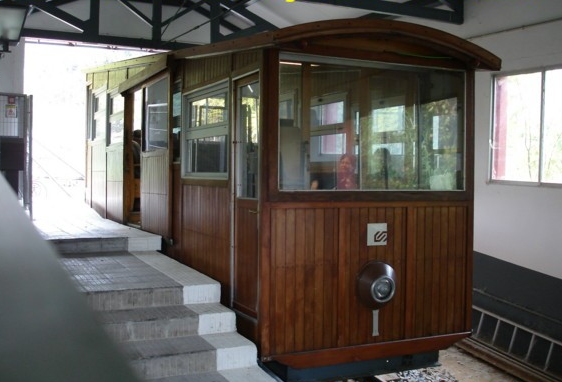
12 19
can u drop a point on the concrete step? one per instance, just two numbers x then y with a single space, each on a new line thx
197 288
243 374
126 280
166 316
136 241
135 298
190 355
168 321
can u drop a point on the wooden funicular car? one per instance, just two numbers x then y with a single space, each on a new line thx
323 173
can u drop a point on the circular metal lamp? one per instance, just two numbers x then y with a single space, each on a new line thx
376 284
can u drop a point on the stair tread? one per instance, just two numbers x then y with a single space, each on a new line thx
160 313
113 272
244 374
146 314
196 377
139 350
147 349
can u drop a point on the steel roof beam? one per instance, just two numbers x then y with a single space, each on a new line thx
423 9
216 12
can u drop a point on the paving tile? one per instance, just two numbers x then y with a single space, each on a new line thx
171 357
198 288
166 347
201 377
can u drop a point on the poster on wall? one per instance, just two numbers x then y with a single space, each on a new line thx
11 111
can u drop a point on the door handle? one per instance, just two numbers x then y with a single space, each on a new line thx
253 211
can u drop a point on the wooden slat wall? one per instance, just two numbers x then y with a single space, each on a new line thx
316 254
134 70
88 180
154 192
98 162
104 186
440 260
245 60
204 71
115 77
245 297
205 210
115 183
99 80
206 233
175 251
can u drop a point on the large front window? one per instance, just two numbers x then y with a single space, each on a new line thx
353 125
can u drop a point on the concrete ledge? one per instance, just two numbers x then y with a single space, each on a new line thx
233 350
214 318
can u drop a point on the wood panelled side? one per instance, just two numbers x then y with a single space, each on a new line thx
316 254
176 249
245 60
134 70
88 180
245 296
203 71
99 80
154 192
206 233
115 196
302 282
355 320
98 183
115 77
438 269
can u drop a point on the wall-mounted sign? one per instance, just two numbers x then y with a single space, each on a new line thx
11 111
377 234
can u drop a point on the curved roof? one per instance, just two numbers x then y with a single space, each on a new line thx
371 39
384 37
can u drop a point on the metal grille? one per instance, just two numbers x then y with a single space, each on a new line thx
524 345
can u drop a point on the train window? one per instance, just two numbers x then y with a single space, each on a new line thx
176 119
248 109
357 125
98 115
157 115
116 116
206 131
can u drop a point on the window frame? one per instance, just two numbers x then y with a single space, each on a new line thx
541 129
114 115
155 115
98 133
208 131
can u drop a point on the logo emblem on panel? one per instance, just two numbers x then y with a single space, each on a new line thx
377 234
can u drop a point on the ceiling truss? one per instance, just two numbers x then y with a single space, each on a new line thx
217 13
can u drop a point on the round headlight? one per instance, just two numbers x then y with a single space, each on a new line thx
382 289
376 284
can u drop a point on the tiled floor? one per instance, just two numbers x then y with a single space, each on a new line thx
73 223
115 271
